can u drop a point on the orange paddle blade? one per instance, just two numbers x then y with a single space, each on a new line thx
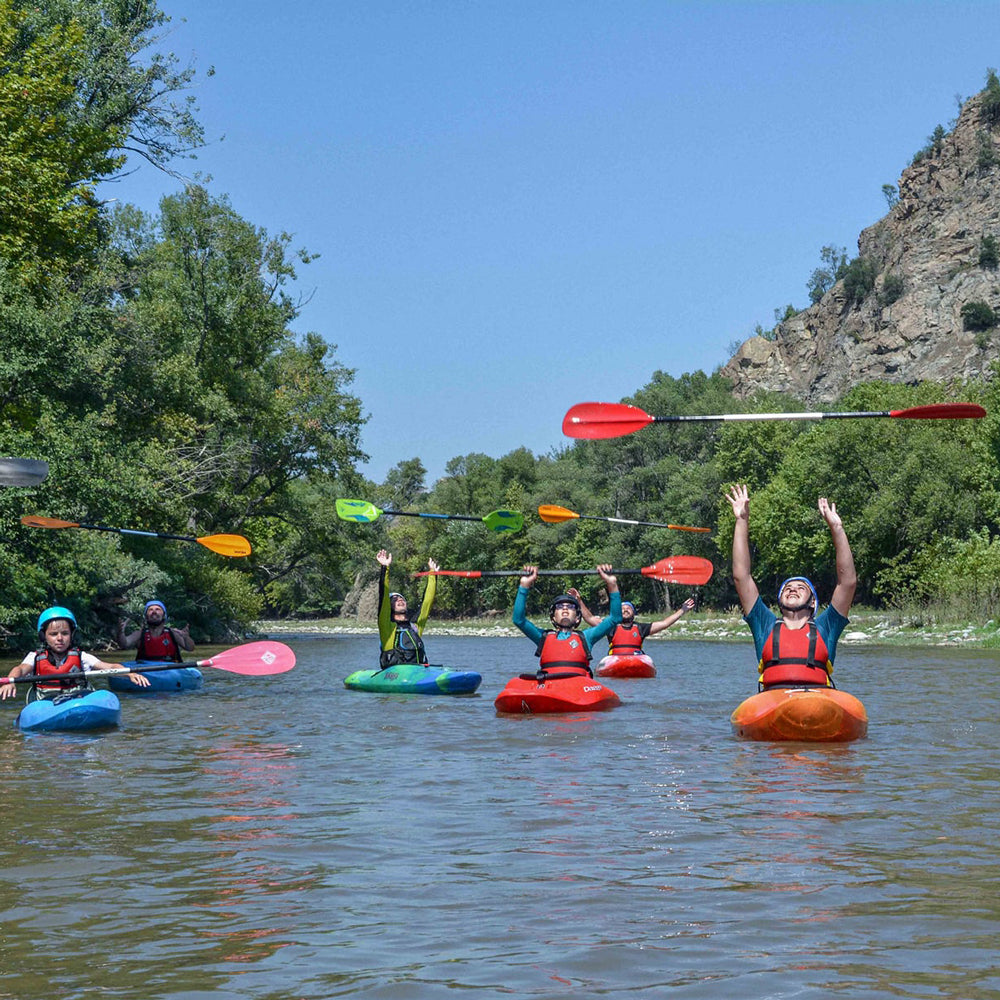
552 514
226 545
34 521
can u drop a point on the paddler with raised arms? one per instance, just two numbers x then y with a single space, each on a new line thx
627 638
797 649
565 648
401 639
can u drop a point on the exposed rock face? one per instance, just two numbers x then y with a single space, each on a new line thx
931 241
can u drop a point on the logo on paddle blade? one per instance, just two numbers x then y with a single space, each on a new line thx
268 657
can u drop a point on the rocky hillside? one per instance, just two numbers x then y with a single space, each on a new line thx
927 260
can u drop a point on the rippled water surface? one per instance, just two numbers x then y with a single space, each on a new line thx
286 838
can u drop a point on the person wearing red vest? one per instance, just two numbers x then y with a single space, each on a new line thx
59 654
628 637
156 641
797 649
565 648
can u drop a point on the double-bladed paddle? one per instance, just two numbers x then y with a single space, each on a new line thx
610 420
552 514
254 659
22 471
690 570
225 545
363 511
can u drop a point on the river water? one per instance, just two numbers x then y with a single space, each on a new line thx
284 838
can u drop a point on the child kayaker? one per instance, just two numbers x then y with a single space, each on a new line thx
156 640
565 648
797 649
627 639
58 653
401 639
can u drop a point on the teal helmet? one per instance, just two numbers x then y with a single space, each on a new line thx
53 613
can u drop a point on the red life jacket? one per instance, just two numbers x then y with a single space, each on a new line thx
44 664
625 641
161 647
569 654
795 656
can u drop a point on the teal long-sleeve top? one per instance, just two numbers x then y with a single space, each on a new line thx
590 635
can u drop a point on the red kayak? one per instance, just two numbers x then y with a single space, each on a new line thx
556 693
807 715
626 665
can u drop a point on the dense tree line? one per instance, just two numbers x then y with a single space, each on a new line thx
149 358
920 501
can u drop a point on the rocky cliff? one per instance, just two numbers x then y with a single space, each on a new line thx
926 259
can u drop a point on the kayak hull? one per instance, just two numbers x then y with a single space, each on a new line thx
160 681
414 678
806 715
93 710
523 696
630 665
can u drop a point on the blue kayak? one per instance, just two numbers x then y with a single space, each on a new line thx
89 710
174 679
414 678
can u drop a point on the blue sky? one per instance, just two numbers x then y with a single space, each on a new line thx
521 206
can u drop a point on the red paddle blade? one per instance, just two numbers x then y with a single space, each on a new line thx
941 411
604 420
255 659
690 570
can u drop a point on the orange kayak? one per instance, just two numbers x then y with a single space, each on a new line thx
630 665
808 715
561 693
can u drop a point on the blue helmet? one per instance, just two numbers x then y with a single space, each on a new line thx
629 604
155 604
51 614
808 583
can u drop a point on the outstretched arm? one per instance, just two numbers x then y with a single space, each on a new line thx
665 623
585 613
847 577
746 588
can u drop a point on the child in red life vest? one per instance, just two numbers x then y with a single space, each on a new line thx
59 654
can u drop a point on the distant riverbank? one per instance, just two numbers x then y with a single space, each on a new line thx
874 628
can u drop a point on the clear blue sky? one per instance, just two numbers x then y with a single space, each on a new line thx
521 206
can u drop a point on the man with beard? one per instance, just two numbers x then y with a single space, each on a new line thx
797 649
627 639
156 641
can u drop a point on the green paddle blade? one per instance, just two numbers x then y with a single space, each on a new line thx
504 520
357 510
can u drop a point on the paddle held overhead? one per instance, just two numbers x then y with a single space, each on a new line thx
224 545
690 570
22 471
610 420
255 659
365 512
552 514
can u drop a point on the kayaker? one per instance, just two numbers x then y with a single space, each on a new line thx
565 648
400 638
58 652
156 641
797 649
627 638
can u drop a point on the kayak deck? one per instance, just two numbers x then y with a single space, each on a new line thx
92 710
626 665
527 695
807 715
414 678
174 679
